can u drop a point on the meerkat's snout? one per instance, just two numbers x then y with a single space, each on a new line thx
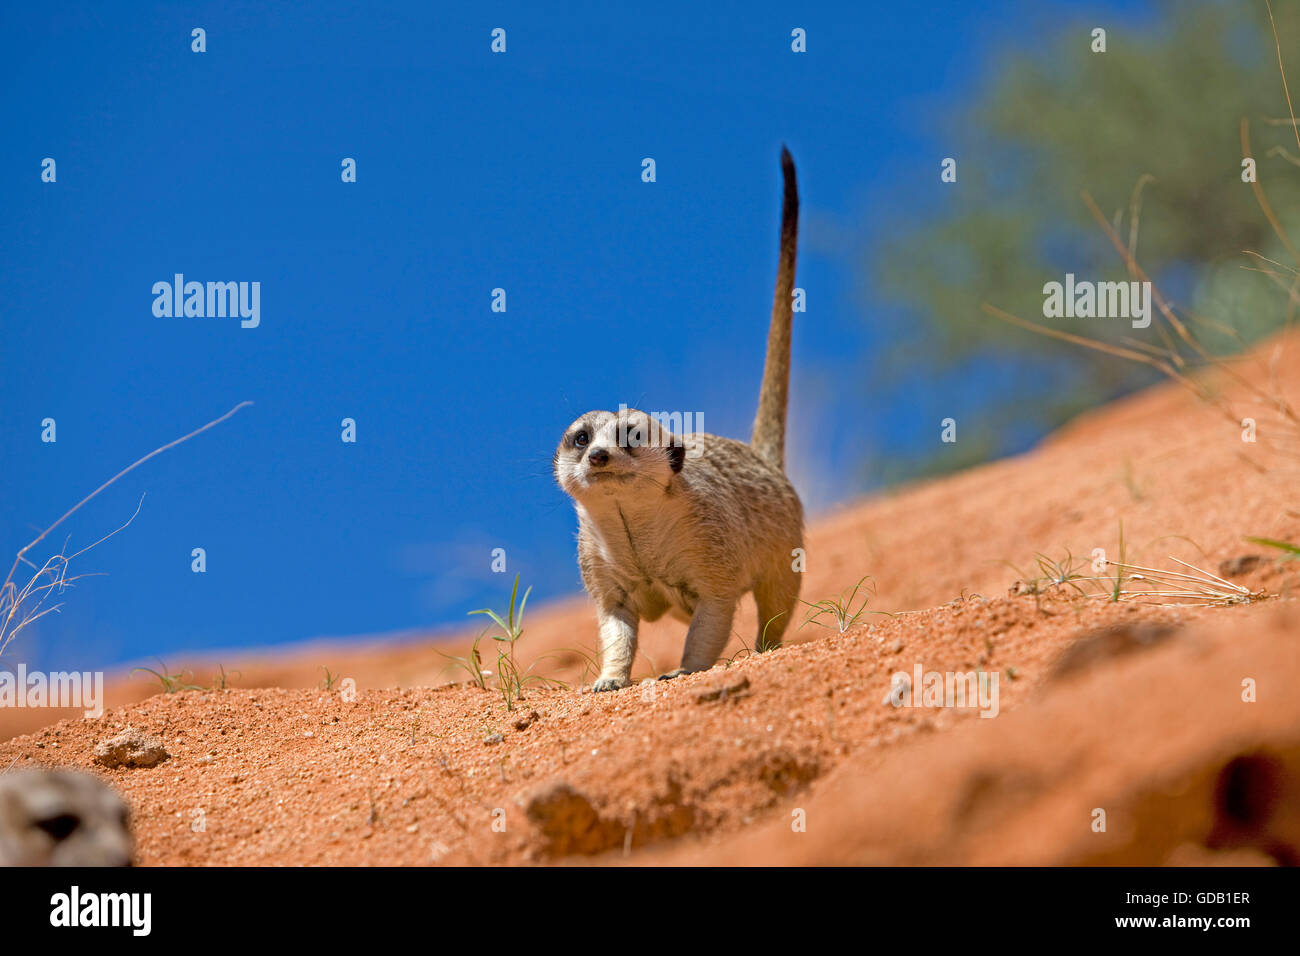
610 453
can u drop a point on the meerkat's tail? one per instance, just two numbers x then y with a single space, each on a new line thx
769 424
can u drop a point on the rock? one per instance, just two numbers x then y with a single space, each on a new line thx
523 723
491 739
130 749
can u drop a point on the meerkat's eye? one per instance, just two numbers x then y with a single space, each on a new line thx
581 439
60 826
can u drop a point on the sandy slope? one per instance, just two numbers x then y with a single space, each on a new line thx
1145 720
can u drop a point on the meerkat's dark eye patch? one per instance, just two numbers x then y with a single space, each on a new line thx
581 438
677 455
60 826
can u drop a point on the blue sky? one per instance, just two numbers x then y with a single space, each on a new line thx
474 171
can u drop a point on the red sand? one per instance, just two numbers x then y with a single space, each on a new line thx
1148 724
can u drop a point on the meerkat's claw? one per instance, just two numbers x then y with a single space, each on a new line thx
671 674
609 683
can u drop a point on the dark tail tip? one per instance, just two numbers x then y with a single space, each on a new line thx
790 209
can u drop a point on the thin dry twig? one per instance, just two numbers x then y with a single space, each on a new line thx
1282 70
15 603
1260 198
1202 587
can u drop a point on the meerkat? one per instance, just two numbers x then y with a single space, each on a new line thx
687 525
61 818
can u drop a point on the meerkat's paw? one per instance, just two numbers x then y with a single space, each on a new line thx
671 674
609 683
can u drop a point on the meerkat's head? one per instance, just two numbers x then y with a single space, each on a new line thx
61 818
616 454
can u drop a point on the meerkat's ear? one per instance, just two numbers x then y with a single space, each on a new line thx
677 456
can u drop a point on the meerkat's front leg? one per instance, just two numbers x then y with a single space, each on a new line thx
617 648
708 634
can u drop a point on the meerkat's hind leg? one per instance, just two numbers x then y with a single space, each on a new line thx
776 598
708 634
617 648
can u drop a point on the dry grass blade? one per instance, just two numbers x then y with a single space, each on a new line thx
1201 587
16 609
1162 365
1167 311
1277 42
1265 206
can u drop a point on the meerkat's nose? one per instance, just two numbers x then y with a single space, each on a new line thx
598 457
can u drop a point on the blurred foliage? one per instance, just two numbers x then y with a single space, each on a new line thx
1158 115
